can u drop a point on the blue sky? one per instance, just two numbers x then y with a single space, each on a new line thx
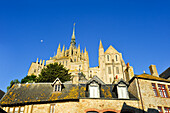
139 29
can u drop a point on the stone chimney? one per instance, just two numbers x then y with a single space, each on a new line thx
129 72
153 70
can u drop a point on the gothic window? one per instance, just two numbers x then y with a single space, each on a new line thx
94 90
109 70
117 70
108 57
72 52
66 63
63 62
116 57
160 109
162 91
154 89
52 108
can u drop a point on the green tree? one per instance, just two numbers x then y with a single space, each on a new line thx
29 79
12 83
53 71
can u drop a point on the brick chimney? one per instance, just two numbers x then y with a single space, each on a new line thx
153 70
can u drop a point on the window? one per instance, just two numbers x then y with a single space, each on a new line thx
162 90
116 57
66 63
160 109
74 60
169 88
109 70
122 92
11 110
92 112
167 110
117 70
22 110
52 108
154 89
16 110
107 57
58 87
94 90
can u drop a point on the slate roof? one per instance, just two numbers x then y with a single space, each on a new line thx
43 92
149 77
165 74
1 94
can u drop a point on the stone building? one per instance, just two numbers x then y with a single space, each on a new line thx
144 93
110 87
111 63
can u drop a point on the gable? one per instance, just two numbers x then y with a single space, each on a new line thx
111 49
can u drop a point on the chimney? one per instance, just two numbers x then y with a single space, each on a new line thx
153 70
129 72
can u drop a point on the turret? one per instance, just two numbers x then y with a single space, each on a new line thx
101 49
58 51
62 53
78 51
101 53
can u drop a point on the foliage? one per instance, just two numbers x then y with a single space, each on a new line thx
12 83
29 79
53 71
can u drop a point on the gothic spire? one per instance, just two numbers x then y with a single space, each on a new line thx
73 42
100 46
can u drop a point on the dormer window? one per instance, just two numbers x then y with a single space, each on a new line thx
93 87
57 87
122 90
94 90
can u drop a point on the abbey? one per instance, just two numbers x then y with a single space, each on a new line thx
110 87
111 64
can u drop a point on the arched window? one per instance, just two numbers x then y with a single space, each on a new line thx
108 57
116 57
92 112
109 112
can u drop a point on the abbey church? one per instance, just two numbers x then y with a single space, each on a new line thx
111 87
111 64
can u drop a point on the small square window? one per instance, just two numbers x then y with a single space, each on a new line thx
162 90
167 110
